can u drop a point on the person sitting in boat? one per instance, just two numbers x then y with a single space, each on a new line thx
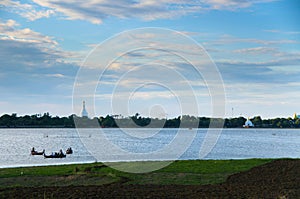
69 151
60 153
34 152
55 155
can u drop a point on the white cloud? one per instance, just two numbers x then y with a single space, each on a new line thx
115 66
27 11
32 63
260 65
95 11
251 98
29 46
283 32
57 75
229 39
277 55
257 50
9 31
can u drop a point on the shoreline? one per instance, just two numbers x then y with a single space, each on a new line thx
137 161
62 127
224 128
44 165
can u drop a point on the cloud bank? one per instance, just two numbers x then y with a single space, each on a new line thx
95 11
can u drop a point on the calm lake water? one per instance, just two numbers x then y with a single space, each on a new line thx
15 144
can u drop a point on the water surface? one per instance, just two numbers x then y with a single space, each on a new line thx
15 144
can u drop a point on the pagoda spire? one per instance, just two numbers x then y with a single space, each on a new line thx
84 113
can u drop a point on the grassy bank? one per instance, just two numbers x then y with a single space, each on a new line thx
186 172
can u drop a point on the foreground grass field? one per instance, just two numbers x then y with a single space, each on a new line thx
252 178
185 172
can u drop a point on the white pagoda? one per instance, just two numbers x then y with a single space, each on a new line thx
84 113
248 124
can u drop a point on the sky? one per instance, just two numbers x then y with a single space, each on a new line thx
249 60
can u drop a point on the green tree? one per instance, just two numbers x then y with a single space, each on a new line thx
257 121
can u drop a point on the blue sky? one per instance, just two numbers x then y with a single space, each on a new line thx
254 44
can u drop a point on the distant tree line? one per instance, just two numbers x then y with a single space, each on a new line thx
37 120
137 121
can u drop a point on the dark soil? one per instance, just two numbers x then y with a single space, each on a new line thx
277 179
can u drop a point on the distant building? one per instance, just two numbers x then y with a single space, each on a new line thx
296 116
84 113
248 124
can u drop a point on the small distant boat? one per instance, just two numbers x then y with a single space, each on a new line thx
55 155
34 152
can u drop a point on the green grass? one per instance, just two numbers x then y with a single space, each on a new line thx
195 172
184 172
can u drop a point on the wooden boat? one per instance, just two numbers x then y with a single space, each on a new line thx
37 153
55 155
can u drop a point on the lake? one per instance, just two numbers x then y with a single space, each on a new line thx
90 145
